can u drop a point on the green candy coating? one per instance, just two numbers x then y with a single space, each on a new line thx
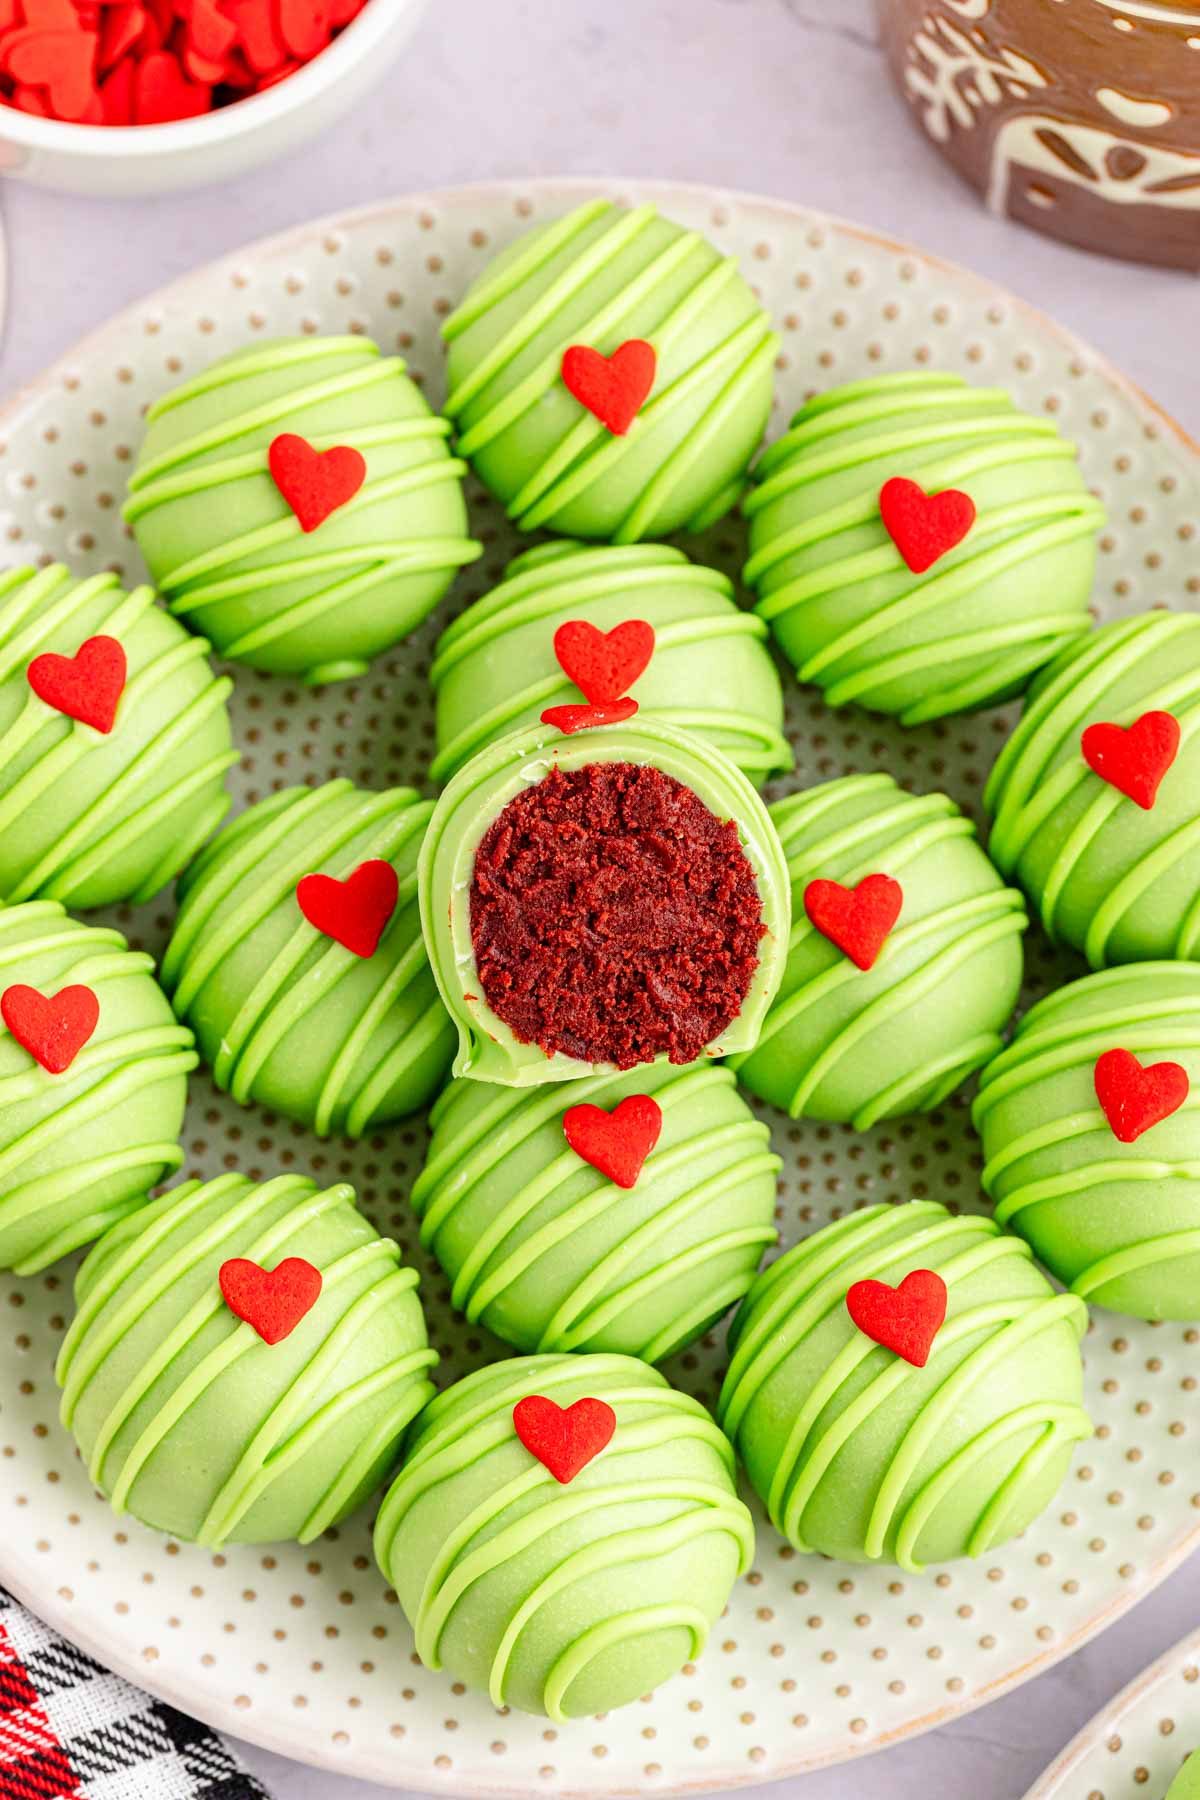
567 1599
284 1016
856 1046
1186 1785
848 612
187 1419
600 277
227 550
549 1254
483 787
1119 1224
711 672
860 1455
80 1150
1116 882
92 818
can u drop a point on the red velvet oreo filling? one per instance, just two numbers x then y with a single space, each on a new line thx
614 917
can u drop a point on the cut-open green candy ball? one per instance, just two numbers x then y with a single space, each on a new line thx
711 671
861 1454
1117 1218
597 281
564 1597
1114 875
299 1010
602 898
857 1045
921 640
192 1420
545 1249
292 561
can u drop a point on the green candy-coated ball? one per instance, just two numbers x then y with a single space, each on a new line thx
1186 1785
190 1421
227 549
599 277
859 1454
711 672
1117 882
81 1149
854 1045
846 608
549 1254
488 1048
284 1015
1119 1223
93 818
563 1599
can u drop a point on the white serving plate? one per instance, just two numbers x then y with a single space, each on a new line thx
1136 1745
304 1651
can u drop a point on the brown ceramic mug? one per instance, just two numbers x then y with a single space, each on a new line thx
1078 117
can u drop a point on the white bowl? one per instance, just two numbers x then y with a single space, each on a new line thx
153 159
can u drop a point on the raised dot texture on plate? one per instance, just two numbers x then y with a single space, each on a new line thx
846 306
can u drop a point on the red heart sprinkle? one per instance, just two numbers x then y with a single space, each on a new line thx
353 912
564 1440
612 387
116 93
1133 759
569 719
163 93
1134 1098
122 27
315 482
615 1143
304 26
87 686
255 21
211 33
857 920
924 527
62 62
272 1302
53 1028
905 1319
30 100
604 664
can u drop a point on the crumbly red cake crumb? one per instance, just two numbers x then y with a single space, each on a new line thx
614 917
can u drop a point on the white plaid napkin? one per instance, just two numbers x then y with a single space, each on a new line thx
69 1730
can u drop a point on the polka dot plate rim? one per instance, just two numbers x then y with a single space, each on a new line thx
301 1650
1135 1745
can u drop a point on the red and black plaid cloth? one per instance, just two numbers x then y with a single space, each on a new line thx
70 1730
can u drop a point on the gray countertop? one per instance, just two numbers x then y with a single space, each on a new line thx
784 97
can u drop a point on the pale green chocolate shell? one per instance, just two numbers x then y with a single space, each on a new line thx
860 1455
483 787
567 1599
599 277
1186 1785
1117 1223
711 673
90 818
1118 883
189 1421
286 1017
225 547
550 1255
848 612
857 1046
80 1150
